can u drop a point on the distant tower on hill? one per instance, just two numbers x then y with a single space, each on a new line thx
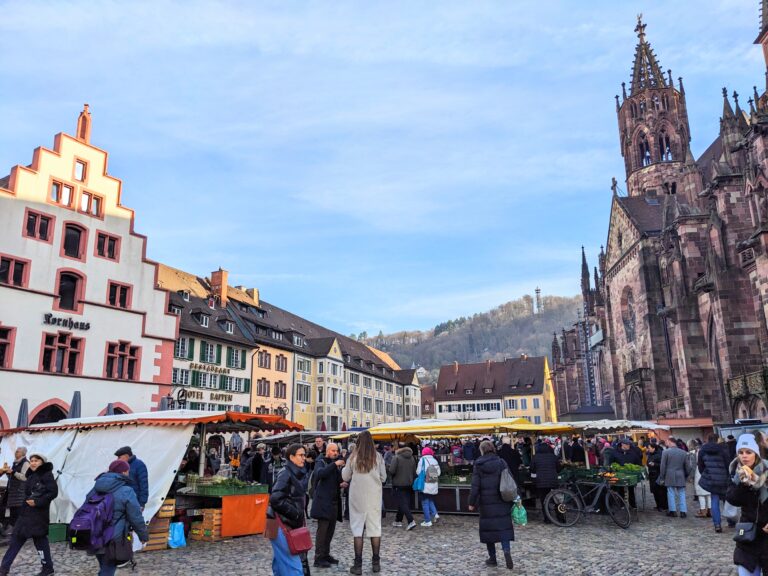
539 307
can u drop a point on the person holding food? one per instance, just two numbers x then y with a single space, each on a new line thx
748 490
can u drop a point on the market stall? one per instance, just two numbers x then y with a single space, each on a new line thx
80 449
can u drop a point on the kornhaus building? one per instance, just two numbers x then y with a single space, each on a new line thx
79 305
513 388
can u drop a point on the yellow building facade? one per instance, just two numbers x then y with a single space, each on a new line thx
537 408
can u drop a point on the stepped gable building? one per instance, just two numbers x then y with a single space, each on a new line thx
676 314
513 388
80 310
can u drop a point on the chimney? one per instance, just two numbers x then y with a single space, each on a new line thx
488 366
254 294
219 285
455 367
523 357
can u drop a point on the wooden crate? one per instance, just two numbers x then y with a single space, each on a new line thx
157 541
199 532
168 509
159 525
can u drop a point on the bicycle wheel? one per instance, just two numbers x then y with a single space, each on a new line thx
563 507
618 509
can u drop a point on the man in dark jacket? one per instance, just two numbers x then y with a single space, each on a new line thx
17 477
126 513
545 465
577 452
139 475
654 469
730 442
512 457
39 491
627 453
713 465
326 503
403 471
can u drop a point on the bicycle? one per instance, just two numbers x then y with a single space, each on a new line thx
565 506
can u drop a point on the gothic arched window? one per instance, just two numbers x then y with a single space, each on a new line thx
633 109
642 107
628 314
656 102
665 101
644 150
665 146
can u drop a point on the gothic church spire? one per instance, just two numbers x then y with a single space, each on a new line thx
646 72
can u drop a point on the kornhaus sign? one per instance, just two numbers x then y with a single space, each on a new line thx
52 320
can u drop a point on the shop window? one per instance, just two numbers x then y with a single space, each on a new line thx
73 243
38 226
61 353
14 271
122 361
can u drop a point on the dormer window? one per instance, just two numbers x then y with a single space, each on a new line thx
469 392
488 390
229 327
203 318
298 341
450 392
211 303
175 310
184 295
277 335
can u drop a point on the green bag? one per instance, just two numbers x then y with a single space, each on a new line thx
519 514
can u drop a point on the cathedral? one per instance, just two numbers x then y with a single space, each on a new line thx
674 315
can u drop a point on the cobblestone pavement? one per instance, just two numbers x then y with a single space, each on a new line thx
653 545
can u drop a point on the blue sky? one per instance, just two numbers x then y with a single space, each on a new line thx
368 165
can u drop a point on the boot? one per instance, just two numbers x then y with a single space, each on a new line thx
709 512
491 561
4 572
46 571
357 567
376 564
508 558
702 513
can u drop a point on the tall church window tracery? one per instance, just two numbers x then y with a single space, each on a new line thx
628 314
644 150
665 146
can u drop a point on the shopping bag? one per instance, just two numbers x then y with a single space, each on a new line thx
731 512
507 486
418 483
176 537
519 514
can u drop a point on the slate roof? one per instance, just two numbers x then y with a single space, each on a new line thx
217 319
645 212
512 377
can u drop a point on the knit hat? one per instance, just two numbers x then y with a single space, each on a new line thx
427 451
39 455
748 442
119 467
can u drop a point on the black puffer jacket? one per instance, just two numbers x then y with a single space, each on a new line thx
513 459
654 466
545 465
16 485
40 487
622 457
755 553
289 493
495 514
713 466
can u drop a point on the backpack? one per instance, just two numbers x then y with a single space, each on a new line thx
433 472
507 485
91 528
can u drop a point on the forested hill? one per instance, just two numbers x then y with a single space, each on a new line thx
511 329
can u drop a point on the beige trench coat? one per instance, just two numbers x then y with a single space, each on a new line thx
365 497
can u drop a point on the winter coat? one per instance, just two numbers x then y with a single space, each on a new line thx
495 514
126 512
403 468
577 453
513 460
545 465
365 497
289 493
675 468
713 465
326 499
625 457
468 450
140 478
16 483
424 463
731 448
755 553
654 466
40 487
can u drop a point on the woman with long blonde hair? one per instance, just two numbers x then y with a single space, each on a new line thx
366 473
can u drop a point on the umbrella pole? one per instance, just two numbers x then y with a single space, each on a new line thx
203 455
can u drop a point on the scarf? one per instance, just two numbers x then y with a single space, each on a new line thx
761 471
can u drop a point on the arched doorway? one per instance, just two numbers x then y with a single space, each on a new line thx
49 415
635 406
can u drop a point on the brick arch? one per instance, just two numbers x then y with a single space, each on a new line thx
5 423
52 402
119 405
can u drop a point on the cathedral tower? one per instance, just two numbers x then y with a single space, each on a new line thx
653 126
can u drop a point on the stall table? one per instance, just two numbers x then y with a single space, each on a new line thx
241 514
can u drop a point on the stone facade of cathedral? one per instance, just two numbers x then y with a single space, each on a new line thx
674 323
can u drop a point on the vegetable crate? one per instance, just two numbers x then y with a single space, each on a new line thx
209 530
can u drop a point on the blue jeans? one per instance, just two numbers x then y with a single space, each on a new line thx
492 548
428 505
15 545
672 492
715 509
283 562
106 568
744 572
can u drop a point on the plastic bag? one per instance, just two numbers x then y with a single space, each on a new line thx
418 483
176 537
731 512
519 514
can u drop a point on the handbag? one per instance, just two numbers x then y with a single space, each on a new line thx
747 531
119 550
299 539
507 485
420 480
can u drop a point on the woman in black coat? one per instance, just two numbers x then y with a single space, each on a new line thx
512 457
545 465
659 492
286 504
495 514
34 516
713 465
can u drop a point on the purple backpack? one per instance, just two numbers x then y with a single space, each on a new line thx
92 528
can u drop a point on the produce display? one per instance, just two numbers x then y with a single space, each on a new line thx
221 486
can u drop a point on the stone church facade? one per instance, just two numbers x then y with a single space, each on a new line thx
674 323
